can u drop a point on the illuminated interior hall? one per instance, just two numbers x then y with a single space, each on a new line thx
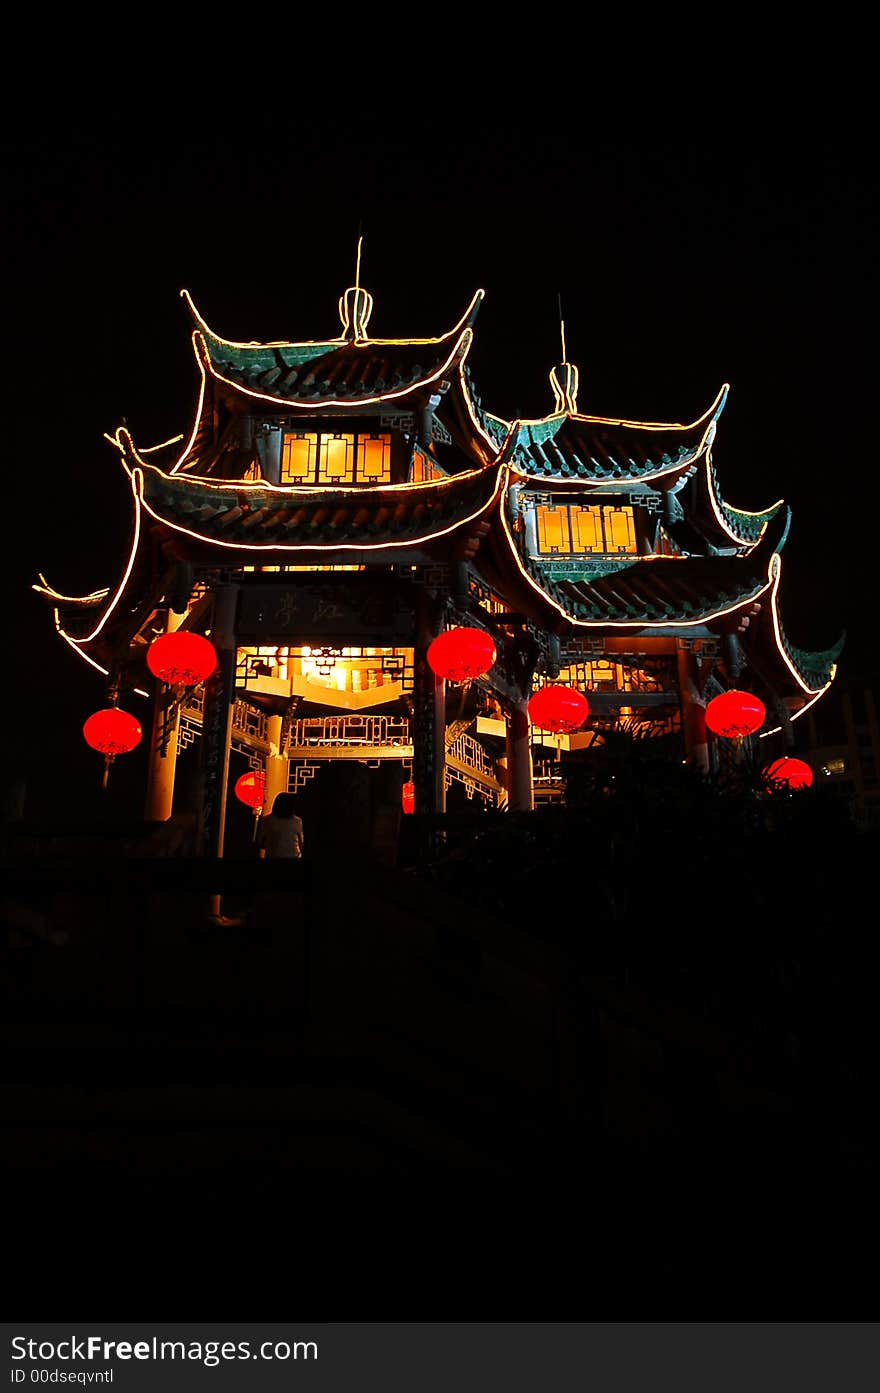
337 504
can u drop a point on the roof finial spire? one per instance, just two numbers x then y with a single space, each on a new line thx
564 379
561 324
356 305
357 269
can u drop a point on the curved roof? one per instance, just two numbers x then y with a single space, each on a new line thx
658 591
348 371
94 625
264 518
719 521
570 448
804 674
226 523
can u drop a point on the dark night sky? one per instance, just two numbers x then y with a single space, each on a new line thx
687 255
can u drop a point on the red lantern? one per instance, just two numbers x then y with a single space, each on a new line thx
250 789
181 657
461 654
560 709
734 714
794 773
112 732
408 797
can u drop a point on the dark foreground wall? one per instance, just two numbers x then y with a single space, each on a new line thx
429 1089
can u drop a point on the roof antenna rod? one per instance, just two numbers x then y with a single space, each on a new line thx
561 325
357 269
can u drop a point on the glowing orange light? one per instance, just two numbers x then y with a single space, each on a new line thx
250 789
794 773
181 657
560 709
112 732
461 654
734 714
408 797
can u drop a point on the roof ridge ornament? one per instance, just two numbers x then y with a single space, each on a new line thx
564 381
355 308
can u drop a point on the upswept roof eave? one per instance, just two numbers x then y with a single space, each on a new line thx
466 321
319 406
489 450
550 595
711 612
204 407
102 600
742 526
824 658
427 511
746 519
809 672
582 469
708 418
498 428
131 456
73 603
108 608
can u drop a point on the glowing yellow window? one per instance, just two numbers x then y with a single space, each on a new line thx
336 464
374 459
298 457
586 529
600 671
553 533
620 529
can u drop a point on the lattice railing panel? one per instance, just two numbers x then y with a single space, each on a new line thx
470 752
496 797
330 731
249 726
299 773
252 725
597 674
486 596
365 669
188 731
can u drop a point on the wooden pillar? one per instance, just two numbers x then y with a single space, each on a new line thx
269 441
429 737
693 711
217 721
276 764
163 745
732 656
429 719
518 751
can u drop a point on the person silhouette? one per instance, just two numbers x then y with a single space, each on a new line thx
281 833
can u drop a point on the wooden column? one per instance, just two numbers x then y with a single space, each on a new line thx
732 655
269 441
276 764
429 737
217 721
429 719
693 711
518 750
163 746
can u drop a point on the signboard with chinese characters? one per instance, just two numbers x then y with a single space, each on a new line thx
310 609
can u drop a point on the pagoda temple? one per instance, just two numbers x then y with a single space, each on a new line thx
339 504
